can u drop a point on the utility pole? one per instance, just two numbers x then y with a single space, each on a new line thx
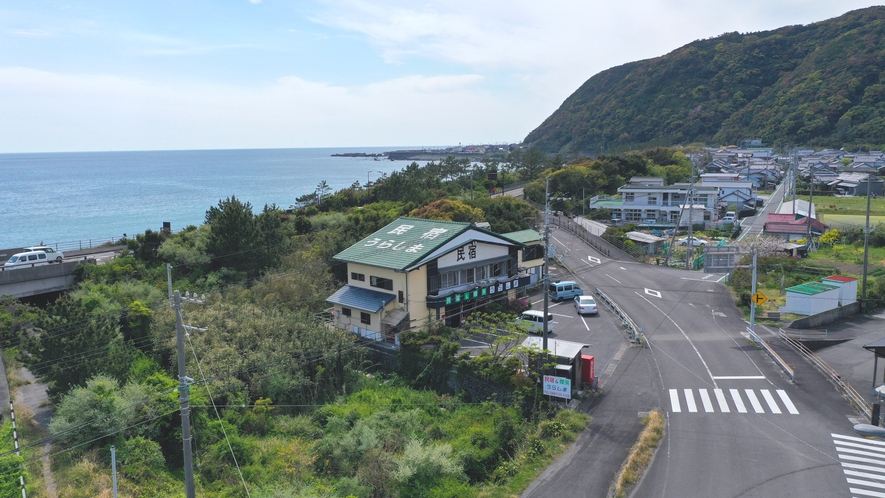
546 257
689 248
184 386
752 302
810 204
866 246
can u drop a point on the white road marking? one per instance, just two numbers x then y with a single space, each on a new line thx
739 377
689 401
738 402
705 399
772 405
674 400
621 267
720 398
584 321
613 278
594 260
652 292
757 406
787 402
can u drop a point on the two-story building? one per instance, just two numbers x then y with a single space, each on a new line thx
414 272
648 200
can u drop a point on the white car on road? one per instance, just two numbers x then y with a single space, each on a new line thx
585 305
694 241
51 253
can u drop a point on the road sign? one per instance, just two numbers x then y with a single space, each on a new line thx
758 298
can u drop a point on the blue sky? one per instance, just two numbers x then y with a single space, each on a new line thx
162 74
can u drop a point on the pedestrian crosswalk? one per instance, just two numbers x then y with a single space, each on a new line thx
731 401
863 462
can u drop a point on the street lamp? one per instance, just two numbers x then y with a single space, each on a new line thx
369 173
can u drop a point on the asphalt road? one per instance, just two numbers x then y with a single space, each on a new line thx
736 425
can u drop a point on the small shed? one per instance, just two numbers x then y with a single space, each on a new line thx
847 288
650 244
811 298
567 355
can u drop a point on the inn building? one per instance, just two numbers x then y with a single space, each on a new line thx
414 272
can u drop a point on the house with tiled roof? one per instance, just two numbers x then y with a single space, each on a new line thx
792 227
414 272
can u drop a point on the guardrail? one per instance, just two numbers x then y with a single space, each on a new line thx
842 385
635 330
771 352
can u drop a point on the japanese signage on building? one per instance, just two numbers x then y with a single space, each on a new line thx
472 252
485 291
559 387
394 244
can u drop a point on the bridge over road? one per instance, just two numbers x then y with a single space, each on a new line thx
54 277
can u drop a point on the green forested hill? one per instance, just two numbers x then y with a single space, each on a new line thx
815 85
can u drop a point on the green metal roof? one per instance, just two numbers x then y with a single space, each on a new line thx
407 241
523 236
811 288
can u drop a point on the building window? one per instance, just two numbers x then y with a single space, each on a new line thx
402 298
345 311
357 277
381 283
632 214
652 200
366 318
628 196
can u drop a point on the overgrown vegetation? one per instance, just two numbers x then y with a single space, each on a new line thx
301 409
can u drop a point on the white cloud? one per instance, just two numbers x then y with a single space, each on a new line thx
53 111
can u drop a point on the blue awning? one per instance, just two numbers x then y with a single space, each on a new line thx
361 299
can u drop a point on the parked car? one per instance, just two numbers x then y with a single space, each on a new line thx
560 291
585 305
535 320
51 253
26 260
694 241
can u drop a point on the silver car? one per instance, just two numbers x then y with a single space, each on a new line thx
586 305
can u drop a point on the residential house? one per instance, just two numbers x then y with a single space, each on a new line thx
792 227
413 272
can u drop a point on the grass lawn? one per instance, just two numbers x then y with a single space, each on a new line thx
827 204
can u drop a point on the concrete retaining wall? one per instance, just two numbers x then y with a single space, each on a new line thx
826 317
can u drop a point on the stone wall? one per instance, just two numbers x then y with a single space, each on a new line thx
829 316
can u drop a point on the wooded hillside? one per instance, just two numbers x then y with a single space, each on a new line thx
817 85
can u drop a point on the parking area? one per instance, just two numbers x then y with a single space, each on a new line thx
603 332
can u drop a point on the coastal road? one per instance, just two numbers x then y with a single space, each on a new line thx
736 425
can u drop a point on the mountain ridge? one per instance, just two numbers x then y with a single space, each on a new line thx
813 85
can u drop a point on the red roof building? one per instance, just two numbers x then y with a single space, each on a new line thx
787 227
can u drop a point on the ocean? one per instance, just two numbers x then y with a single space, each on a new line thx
77 199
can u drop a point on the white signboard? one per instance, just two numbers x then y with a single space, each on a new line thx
560 387
473 252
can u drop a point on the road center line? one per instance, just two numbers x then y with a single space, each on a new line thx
613 278
683 335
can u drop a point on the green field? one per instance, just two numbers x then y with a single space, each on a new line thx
845 220
827 204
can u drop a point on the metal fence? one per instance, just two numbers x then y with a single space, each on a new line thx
842 385
634 330
771 352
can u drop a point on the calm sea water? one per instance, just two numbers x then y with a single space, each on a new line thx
64 198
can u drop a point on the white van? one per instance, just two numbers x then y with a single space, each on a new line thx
51 253
535 319
26 260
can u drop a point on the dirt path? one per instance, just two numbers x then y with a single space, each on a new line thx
33 396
